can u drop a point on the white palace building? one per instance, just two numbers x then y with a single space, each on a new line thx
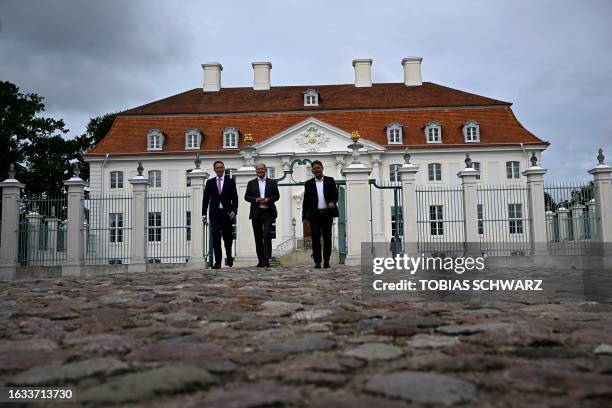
435 124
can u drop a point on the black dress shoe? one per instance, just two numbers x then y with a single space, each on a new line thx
326 265
260 264
216 266
266 264
318 266
229 261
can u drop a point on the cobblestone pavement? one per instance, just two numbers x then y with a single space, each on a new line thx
249 337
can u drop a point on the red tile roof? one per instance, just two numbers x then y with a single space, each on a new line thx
291 98
267 113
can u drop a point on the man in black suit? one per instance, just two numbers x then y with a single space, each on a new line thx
221 193
262 192
319 208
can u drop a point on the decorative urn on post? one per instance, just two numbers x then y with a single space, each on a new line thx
355 146
248 152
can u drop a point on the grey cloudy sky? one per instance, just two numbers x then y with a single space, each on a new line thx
551 58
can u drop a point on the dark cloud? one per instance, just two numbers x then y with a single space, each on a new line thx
551 58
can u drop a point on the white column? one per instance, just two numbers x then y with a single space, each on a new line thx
378 218
74 243
470 212
563 230
34 220
603 199
578 221
550 225
11 190
408 173
53 225
537 209
138 254
245 242
197 179
357 210
593 220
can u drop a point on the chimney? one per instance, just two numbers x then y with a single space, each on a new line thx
412 71
363 72
261 75
212 76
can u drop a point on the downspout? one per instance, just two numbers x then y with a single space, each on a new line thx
526 154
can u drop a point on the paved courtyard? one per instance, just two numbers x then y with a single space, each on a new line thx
248 337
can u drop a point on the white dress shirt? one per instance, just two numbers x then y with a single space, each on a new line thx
222 178
262 190
321 202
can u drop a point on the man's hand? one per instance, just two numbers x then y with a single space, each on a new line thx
232 215
204 220
263 200
331 205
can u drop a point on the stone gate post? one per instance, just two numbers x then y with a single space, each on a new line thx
138 247
11 190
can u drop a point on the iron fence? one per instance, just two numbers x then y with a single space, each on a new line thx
168 228
503 219
107 228
41 236
440 220
571 217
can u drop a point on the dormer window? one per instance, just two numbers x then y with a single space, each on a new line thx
394 133
155 140
433 132
230 138
193 139
471 131
311 98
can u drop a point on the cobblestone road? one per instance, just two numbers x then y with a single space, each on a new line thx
249 337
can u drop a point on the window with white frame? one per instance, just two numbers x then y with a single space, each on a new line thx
115 228
311 98
155 140
480 217
436 224
116 179
394 174
193 138
515 218
394 133
471 131
434 171
271 172
512 170
433 132
154 227
476 166
230 138
155 178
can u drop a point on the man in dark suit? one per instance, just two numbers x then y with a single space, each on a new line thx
220 192
319 208
262 192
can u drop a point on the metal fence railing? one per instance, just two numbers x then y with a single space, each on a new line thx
107 228
41 236
168 227
571 217
503 219
440 221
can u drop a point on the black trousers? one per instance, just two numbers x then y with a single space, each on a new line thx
221 226
262 230
321 224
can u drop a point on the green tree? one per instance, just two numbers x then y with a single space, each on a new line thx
97 128
27 140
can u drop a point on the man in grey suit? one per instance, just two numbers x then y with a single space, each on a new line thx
262 192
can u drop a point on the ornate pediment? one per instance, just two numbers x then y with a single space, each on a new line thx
312 139
310 136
